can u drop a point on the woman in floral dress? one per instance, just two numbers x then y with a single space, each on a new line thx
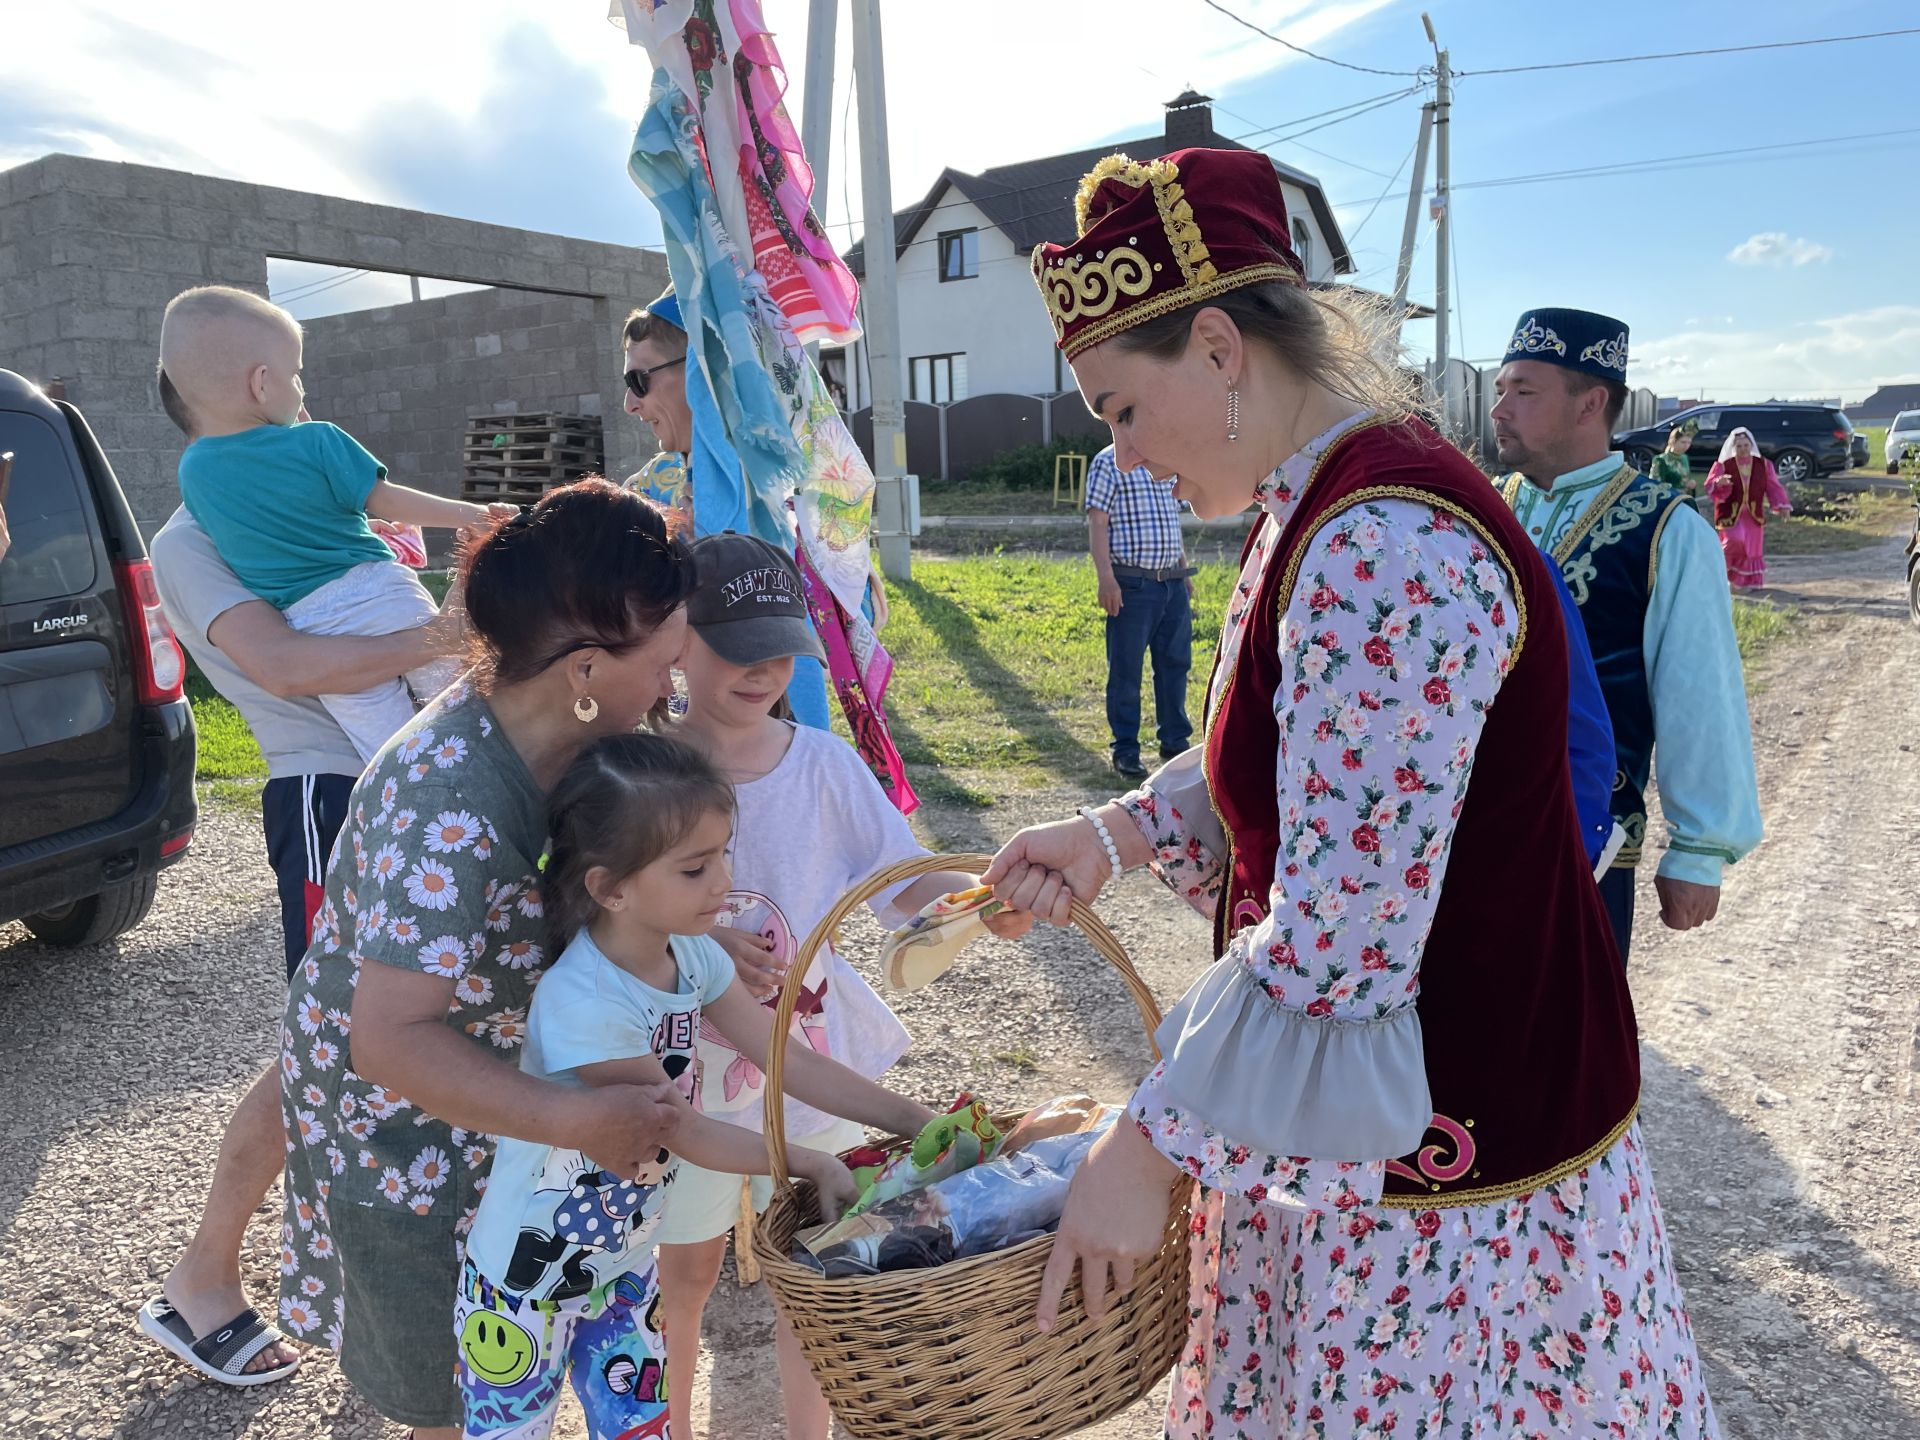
396 1074
1408 1085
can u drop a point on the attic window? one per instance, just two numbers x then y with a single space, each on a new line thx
1303 246
959 254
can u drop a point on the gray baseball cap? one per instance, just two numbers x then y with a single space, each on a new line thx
748 603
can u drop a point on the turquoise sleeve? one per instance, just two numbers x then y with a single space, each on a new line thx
350 468
1703 740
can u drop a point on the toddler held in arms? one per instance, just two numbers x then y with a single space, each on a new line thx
286 503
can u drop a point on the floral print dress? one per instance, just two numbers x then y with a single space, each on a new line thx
1315 1310
434 872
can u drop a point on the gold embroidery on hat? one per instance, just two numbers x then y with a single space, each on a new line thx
1081 289
1077 288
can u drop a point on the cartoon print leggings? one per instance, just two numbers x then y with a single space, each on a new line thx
514 1355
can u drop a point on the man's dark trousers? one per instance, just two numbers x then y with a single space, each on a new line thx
1155 619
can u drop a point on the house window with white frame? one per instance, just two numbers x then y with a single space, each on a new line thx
1303 247
937 379
959 255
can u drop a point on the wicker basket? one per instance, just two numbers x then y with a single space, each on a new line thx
953 1353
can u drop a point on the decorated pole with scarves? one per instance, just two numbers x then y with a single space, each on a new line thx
757 280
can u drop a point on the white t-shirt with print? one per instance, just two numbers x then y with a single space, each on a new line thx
552 1224
804 834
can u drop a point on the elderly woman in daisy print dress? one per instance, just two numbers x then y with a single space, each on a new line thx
1407 1085
400 1044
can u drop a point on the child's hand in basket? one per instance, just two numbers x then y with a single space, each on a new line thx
829 1176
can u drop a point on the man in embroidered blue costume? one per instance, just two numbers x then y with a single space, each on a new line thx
1645 570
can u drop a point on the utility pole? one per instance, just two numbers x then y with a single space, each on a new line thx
1443 240
816 117
1415 190
880 299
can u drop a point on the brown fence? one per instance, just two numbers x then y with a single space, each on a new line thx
952 441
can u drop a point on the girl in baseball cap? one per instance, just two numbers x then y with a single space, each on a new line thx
812 821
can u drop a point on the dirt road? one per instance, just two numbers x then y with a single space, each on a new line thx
1779 1044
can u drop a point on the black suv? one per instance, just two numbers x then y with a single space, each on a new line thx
1804 442
96 738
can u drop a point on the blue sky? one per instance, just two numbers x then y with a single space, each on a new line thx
1745 276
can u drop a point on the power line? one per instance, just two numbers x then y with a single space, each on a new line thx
1682 54
1661 162
1064 204
1301 49
307 292
1392 181
1656 163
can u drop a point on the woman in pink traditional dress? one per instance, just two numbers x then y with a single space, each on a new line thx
1408 1084
1743 487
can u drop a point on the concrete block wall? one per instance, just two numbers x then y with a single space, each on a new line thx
405 379
92 250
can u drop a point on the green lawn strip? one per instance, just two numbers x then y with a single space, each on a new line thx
1857 522
1759 625
999 683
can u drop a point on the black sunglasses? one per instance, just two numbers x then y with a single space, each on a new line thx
637 379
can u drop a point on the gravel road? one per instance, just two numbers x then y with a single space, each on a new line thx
1779 1048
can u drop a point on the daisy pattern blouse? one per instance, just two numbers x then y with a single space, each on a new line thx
434 872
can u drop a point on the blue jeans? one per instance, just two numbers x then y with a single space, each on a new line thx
1155 618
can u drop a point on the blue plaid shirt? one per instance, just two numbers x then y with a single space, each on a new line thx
1143 518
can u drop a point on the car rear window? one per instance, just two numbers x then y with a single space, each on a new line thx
46 507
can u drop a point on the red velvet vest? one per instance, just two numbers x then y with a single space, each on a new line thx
1749 494
1532 1054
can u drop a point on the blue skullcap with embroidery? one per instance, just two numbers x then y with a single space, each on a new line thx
1580 340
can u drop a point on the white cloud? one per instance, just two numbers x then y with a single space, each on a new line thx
1847 354
288 96
1774 247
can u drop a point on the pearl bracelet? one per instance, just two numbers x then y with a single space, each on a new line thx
1106 839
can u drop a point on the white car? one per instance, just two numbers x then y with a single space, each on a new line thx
1903 438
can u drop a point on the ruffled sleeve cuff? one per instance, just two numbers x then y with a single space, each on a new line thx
1174 813
1253 1095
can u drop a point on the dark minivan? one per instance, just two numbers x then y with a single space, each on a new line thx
1804 442
96 737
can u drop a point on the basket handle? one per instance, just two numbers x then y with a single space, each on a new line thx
774 1101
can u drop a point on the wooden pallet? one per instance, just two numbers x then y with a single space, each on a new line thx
532 454
514 489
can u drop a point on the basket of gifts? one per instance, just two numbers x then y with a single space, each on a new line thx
949 1349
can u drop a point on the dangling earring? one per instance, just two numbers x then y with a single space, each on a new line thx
1233 414
586 709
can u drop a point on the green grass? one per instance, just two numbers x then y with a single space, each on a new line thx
1853 522
1000 680
1876 447
1758 625
1001 669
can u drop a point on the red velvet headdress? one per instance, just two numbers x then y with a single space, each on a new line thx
1161 235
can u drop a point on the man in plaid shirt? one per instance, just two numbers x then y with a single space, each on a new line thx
1133 530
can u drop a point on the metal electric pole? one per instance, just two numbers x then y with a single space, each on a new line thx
816 115
1443 239
1415 190
880 299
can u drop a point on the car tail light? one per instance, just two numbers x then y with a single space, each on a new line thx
1843 435
159 665
176 844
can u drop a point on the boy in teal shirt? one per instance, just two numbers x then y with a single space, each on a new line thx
286 503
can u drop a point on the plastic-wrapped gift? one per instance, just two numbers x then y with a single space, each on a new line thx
924 948
956 1141
990 1207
